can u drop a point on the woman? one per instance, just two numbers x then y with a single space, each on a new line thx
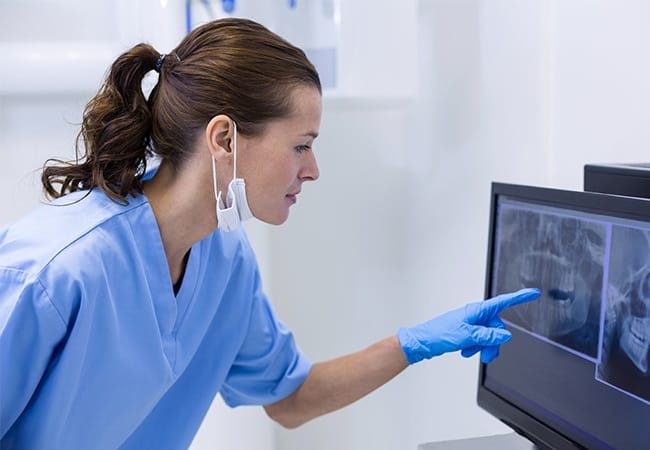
130 301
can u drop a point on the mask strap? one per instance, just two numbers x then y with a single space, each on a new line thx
214 179
234 144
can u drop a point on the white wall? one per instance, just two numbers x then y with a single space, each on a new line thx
600 90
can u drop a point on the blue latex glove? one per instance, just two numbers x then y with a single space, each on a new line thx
472 328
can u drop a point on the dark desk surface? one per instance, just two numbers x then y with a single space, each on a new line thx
511 441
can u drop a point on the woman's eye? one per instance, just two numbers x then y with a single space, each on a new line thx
302 148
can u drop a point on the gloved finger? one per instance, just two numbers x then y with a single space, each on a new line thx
489 354
496 322
484 311
485 336
470 351
503 301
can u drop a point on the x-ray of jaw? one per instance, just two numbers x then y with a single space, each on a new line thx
635 319
563 256
626 339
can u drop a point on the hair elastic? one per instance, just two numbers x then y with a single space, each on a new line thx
160 62
161 59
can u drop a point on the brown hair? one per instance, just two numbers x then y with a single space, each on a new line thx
230 66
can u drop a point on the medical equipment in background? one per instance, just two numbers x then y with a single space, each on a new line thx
309 24
361 48
628 179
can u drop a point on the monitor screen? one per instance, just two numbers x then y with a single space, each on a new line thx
577 371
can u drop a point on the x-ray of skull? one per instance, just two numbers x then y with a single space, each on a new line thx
626 338
563 256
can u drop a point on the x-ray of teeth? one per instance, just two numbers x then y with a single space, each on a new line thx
563 256
626 338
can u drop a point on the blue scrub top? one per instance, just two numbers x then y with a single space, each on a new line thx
96 351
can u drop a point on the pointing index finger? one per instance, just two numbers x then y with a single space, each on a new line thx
503 301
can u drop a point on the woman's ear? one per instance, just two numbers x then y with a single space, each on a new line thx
219 134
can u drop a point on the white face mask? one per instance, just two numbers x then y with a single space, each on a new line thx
236 210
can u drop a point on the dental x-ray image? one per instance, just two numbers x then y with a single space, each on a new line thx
562 256
626 337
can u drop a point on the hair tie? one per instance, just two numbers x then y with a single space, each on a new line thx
159 63
161 59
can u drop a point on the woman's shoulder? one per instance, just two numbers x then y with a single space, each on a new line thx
31 242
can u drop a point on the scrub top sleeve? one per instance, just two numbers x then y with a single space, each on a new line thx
30 330
269 366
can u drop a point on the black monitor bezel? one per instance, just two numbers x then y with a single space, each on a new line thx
633 208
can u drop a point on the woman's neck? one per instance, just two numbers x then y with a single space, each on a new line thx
182 203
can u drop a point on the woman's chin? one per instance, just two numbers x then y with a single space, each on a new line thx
275 219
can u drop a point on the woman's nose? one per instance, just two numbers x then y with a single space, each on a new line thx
310 170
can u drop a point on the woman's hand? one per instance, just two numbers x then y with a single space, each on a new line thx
472 328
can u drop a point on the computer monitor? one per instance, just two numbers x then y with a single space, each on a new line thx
632 179
577 370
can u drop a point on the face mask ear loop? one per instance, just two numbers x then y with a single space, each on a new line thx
234 144
214 179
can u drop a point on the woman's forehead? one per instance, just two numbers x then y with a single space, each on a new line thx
304 119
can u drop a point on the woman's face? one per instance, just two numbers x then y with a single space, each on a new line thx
275 164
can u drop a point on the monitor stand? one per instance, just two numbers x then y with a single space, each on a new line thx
511 441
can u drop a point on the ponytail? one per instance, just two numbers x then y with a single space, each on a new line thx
116 134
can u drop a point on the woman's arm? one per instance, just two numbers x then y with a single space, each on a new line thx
31 328
331 385
475 327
